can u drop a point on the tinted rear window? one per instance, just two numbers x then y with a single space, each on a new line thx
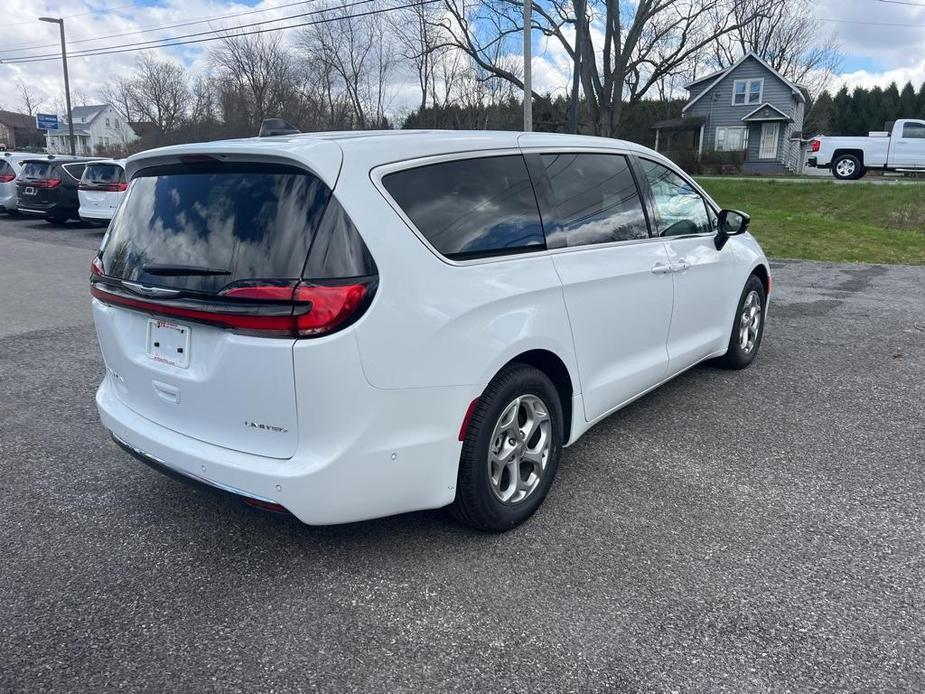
103 173
6 169
36 169
471 208
593 199
251 222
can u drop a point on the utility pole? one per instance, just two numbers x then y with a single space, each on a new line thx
576 71
67 86
528 66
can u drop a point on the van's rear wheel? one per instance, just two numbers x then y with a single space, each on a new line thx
847 167
511 450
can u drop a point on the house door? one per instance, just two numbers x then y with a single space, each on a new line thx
769 135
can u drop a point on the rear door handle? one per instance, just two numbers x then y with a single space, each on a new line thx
661 268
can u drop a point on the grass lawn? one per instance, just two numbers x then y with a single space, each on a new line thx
824 221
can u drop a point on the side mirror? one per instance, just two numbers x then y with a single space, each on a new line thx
730 223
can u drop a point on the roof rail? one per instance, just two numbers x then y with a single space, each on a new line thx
277 126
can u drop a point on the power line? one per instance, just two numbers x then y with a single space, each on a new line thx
228 33
904 2
867 23
136 44
85 14
142 30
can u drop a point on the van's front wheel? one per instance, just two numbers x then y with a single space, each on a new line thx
510 452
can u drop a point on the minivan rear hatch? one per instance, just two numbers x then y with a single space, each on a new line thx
194 287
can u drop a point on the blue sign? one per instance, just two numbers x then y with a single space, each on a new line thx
46 121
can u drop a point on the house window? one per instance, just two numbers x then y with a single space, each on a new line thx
731 139
745 92
107 122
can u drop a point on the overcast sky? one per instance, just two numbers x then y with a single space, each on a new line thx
882 41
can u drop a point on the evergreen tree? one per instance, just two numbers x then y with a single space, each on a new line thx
842 113
820 116
908 103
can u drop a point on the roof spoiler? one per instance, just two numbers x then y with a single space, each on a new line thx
277 126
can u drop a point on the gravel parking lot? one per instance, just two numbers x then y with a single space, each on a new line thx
755 531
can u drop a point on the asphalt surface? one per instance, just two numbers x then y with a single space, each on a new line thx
754 531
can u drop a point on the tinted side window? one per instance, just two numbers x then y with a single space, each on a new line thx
593 199
916 130
680 208
75 170
471 208
338 250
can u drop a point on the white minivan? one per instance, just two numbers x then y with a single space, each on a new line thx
352 325
100 190
10 166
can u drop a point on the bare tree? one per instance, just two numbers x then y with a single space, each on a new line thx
29 101
159 93
785 35
627 49
359 57
421 43
259 71
118 94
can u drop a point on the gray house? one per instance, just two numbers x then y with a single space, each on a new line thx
748 107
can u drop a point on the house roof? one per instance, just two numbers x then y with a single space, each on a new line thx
88 113
17 120
776 114
712 75
797 91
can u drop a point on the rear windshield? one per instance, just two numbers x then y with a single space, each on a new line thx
235 222
6 169
36 169
103 173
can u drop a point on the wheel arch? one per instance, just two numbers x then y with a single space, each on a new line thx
761 272
859 153
552 365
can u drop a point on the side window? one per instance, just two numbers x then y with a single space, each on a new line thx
75 170
471 208
680 208
593 199
914 130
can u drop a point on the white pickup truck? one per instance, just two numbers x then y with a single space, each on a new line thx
900 149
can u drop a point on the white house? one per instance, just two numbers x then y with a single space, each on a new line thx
95 128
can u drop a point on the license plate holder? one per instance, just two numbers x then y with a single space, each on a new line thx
168 343
29 191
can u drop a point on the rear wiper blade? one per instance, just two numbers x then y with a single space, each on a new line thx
179 270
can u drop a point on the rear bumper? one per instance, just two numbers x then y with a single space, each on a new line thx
399 455
92 215
7 200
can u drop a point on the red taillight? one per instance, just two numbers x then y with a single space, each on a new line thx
44 183
330 306
103 187
96 266
277 310
6 178
815 146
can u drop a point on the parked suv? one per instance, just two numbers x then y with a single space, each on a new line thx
100 191
47 187
352 325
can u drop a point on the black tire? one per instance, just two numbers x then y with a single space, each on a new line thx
477 504
738 356
57 218
852 167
